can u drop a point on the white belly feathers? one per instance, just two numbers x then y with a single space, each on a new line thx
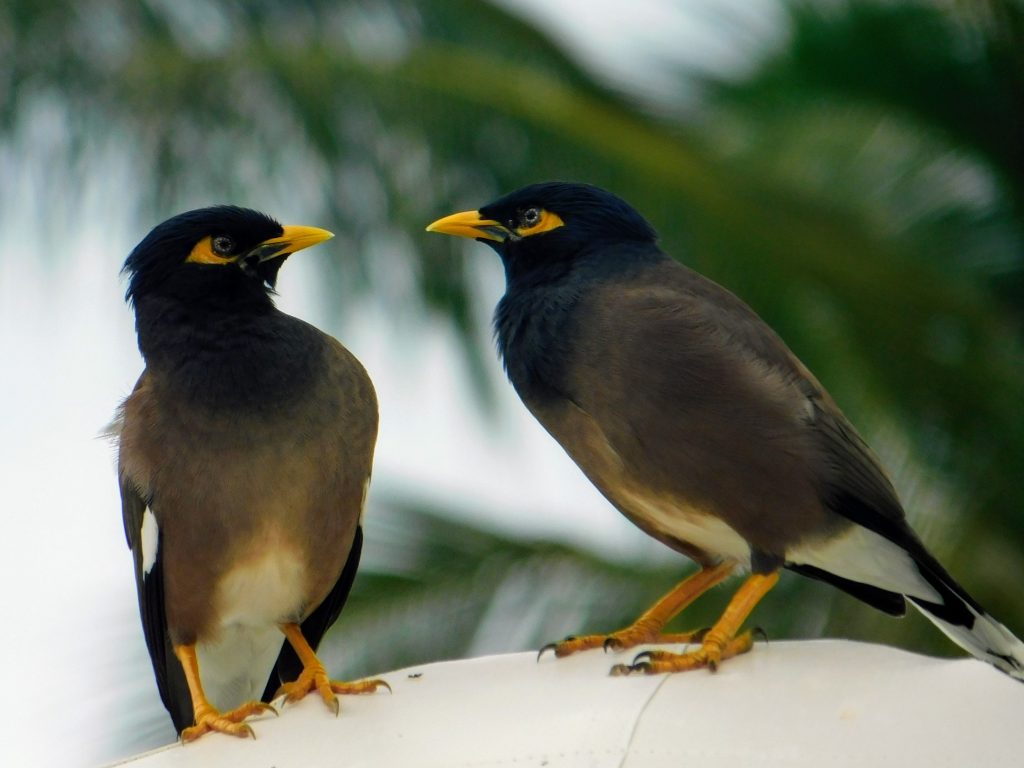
692 526
254 598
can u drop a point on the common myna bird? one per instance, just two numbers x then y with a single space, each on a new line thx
696 422
244 459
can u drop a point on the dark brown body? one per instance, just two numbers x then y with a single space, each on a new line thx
697 422
290 479
688 413
250 445
245 453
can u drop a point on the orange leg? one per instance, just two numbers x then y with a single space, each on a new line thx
719 643
207 717
314 676
647 629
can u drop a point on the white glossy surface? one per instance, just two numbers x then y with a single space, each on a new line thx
793 704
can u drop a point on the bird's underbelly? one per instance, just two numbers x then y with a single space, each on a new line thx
681 522
267 588
662 514
253 598
236 665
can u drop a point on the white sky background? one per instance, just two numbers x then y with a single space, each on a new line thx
68 356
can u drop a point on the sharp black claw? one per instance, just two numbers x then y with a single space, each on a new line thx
759 633
644 666
642 657
700 634
611 644
549 647
384 684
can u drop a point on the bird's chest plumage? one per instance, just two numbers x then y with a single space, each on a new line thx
572 369
534 329
242 449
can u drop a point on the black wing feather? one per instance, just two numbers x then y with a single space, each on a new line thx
857 487
892 603
170 678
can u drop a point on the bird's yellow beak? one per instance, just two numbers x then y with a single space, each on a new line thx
470 224
293 239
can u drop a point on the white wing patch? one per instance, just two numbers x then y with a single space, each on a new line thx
150 536
864 556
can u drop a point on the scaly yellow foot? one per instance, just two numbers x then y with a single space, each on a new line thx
622 640
712 652
209 719
647 629
721 641
314 676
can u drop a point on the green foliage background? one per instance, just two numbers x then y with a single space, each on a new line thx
861 186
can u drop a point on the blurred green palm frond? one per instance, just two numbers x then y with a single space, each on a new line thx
909 119
861 187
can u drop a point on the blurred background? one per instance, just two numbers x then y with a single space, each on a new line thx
853 170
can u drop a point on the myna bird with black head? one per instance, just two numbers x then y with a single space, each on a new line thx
698 424
244 458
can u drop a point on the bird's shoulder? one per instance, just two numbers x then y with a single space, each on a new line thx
669 319
713 353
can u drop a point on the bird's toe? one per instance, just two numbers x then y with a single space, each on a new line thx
210 720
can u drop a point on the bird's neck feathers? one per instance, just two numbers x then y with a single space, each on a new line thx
184 310
230 349
531 339
550 259
531 328
534 323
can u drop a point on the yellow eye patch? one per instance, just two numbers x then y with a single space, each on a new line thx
203 253
545 223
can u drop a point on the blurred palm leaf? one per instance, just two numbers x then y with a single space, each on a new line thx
861 189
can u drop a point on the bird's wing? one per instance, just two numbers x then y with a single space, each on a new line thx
850 469
693 387
288 667
143 537
797 468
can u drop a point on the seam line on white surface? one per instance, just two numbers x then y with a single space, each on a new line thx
639 717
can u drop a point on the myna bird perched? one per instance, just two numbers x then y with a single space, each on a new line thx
244 459
696 422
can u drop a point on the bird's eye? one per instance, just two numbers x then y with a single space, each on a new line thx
223 245
531 216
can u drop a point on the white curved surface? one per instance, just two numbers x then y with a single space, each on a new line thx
793 704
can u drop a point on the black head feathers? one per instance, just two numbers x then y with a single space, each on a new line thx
544 231
200 251
585 210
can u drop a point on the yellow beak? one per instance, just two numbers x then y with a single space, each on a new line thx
470 224
293 239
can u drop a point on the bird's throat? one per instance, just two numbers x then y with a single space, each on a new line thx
229 358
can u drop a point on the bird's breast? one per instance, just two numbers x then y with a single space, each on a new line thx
255 594
268 587
534 340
